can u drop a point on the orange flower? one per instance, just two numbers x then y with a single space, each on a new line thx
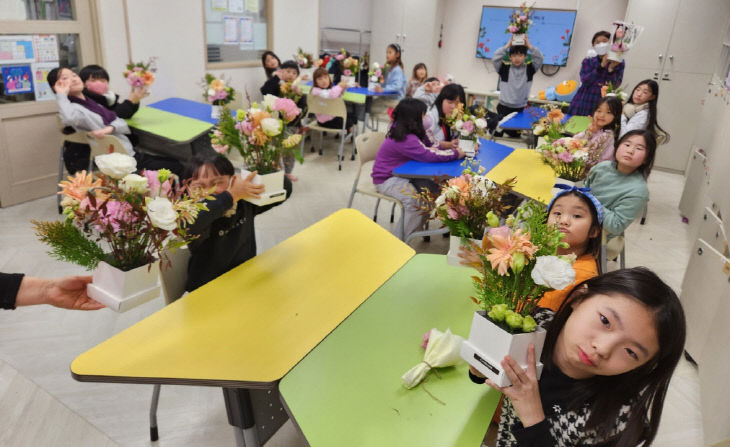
501 255
217 84
148 78
555 115
78 185
257 115
461 183
258 137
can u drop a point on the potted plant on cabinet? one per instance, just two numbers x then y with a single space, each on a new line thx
119 224
518 262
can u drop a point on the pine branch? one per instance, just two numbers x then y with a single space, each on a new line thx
68 243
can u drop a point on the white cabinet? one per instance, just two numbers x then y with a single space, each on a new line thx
678 49
413 25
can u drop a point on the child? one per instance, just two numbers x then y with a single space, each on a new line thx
407 141
96 87
620 184
420 74
394 79
605 124
595 72
226 231
515 77
609 354
579 216
323 87
428 91
448 99
270 62
640 111
84 114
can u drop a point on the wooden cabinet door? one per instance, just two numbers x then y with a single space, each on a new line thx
387 27
420 34
657 17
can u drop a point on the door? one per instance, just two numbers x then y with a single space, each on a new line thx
420 35
657 17
387 27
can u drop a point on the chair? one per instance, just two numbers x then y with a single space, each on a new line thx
104 145
333 107
611 249
172 280
367 146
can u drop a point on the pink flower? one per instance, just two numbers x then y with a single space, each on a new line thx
245 127
566 156
523 18
287 107
426 335
451 212
347 72
156 189
137 69
512 29
468 126
116 213
340 56
378 72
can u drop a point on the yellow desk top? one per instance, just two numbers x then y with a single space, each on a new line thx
535 179
249 327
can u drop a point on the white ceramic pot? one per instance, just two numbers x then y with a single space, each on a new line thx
273 187
615 56
488 344
518 39
350 80
452 257
467 145
372 86
215 112
120 290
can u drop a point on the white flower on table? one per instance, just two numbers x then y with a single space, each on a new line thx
553 272
161 213
116 165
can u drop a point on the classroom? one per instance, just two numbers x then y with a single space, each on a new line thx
364 223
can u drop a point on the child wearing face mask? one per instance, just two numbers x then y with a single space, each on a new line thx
515 77
595 72
605 125
96 87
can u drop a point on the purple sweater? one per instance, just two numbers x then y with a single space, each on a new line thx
394 153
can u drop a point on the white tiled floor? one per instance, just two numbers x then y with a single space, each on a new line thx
37 344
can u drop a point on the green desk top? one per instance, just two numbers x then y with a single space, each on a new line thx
168 125
348 391
577 124
356 98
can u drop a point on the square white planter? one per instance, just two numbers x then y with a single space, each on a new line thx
215 112
518 39
452 257
119 290
350 80
467 147
273 187
308 72
488 344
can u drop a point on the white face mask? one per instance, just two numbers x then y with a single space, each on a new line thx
601 48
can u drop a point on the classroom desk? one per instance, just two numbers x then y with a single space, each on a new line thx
185 107
348 391
525 119
535 179
172 126
494 94
358 95
250 326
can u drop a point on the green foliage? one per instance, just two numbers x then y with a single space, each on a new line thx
69 244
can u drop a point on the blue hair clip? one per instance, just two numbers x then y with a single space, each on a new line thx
583 191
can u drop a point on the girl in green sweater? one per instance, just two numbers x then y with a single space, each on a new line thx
620 184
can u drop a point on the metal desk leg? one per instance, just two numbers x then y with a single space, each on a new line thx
240 416
368 105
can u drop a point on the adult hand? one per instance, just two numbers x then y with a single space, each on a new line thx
70 293
242 188
99 133
62 86
525 391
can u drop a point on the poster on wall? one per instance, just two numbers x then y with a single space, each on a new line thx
16 49
40 71
230 30
46 47
235 6
17 79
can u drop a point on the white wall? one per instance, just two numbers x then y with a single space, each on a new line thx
461 27
172 30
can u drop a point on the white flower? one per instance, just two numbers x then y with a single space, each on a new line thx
458 124
481 123
465 133
553 272
162 215
483 184
211 92
116 165
580 154
373 79
269 101
271 126
440 200
134 183
376 65
453 192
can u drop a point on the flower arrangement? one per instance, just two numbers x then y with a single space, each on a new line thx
259 134
141 74
518 263
349 66
609 90
550 127
124 219
375 73
470 124
291 90
520 20
570 157
468 202
304 60
215 90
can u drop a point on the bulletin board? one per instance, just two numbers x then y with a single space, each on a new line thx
237 32
25 61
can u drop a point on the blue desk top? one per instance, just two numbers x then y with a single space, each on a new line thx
523 120
490 155
185 107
